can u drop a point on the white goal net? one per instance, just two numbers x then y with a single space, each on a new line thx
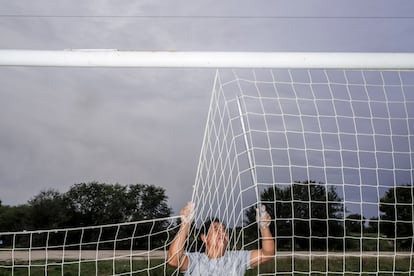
329 152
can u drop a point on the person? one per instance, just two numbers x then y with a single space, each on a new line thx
217 260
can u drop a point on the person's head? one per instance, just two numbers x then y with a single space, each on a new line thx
214 237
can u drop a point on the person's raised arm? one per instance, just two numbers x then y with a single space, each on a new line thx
267 251
176 255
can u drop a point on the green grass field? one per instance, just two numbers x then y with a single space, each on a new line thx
337 266
284 265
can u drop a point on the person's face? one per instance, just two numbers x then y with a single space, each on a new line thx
217 238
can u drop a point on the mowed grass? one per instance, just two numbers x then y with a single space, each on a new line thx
282 265
336 265
118 267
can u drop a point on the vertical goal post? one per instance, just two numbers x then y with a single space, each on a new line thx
177 59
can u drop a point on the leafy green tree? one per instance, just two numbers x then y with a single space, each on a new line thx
99 203
49 210
95 204
305 210
147 202
87 204
397 218
15 218
372 225
354 224
354 227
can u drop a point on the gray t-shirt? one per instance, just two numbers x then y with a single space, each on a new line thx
233 263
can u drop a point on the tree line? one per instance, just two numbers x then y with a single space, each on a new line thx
86 204
315 217
307 215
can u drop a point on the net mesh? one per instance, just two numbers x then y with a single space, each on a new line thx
328 152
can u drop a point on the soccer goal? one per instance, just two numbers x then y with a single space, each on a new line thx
324 141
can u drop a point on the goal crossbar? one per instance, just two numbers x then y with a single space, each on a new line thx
175 59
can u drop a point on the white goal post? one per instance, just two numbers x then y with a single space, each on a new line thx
324 140
176 59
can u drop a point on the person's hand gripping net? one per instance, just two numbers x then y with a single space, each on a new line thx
187 213
262 216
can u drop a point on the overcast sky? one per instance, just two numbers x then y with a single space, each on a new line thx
60 126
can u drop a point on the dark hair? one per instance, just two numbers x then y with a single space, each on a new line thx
206 225
204 230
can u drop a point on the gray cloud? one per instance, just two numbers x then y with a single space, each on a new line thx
80 125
